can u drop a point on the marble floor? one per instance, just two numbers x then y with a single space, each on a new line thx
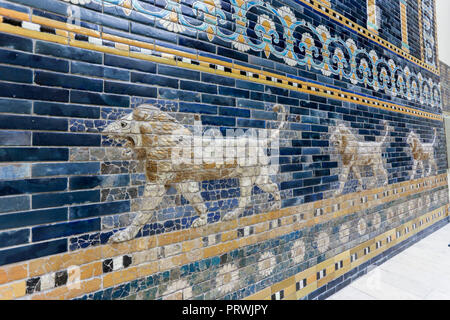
421 272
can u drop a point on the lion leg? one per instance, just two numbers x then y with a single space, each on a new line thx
414 169
245 199
382 172
153 195
357 173
264 182
191 192
422 169
343 179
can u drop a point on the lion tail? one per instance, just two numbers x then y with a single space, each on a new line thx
386 135
281 110
435 137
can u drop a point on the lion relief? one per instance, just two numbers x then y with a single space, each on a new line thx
165 146
422 153
356 154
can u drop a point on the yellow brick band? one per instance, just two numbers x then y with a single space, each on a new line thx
396 235
144 250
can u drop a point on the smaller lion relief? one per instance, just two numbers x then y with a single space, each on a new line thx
356 154
422 154
168 147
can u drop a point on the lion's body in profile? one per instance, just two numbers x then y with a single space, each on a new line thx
161 141
356 154
422 153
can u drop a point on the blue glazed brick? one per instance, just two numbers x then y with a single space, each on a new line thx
198 86
57 50
14 171
31 218
32 123
66 110
15 106
32 186
129 63
33 154
33 251
197 108
96 210
65 229
248 123
212 78
66 81
154 80
65 198
33 61
14 238
178 72
234 112
21 91
130 89
218 121
153 33
65 139
15 138
89 69
16 43
16 74
56 169
99 99
218 100
238 93
90 182
18 203
172 94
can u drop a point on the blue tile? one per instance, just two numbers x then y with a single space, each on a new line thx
33 251
18 203
68 52
31 218
96 210
55 169
65 198
14 238
14 187
59 230
33 154
91 182
66 139
15 138
66 110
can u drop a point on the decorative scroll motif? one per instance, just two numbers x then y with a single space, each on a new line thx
299 43
422 153
428 31
170 152
356 154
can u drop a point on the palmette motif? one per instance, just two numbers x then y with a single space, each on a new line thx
298 43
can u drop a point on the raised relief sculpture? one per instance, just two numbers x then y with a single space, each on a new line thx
421 153
356 154
174 157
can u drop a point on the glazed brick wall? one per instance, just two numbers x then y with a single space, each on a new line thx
445 86
64 187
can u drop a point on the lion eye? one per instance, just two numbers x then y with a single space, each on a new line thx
123 124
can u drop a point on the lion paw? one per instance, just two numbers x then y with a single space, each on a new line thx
200 222
230 216
119 237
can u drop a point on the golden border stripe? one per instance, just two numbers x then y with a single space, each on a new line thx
192 238
329 265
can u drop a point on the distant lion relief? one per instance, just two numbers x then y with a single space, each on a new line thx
176 156
422 153
356 154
